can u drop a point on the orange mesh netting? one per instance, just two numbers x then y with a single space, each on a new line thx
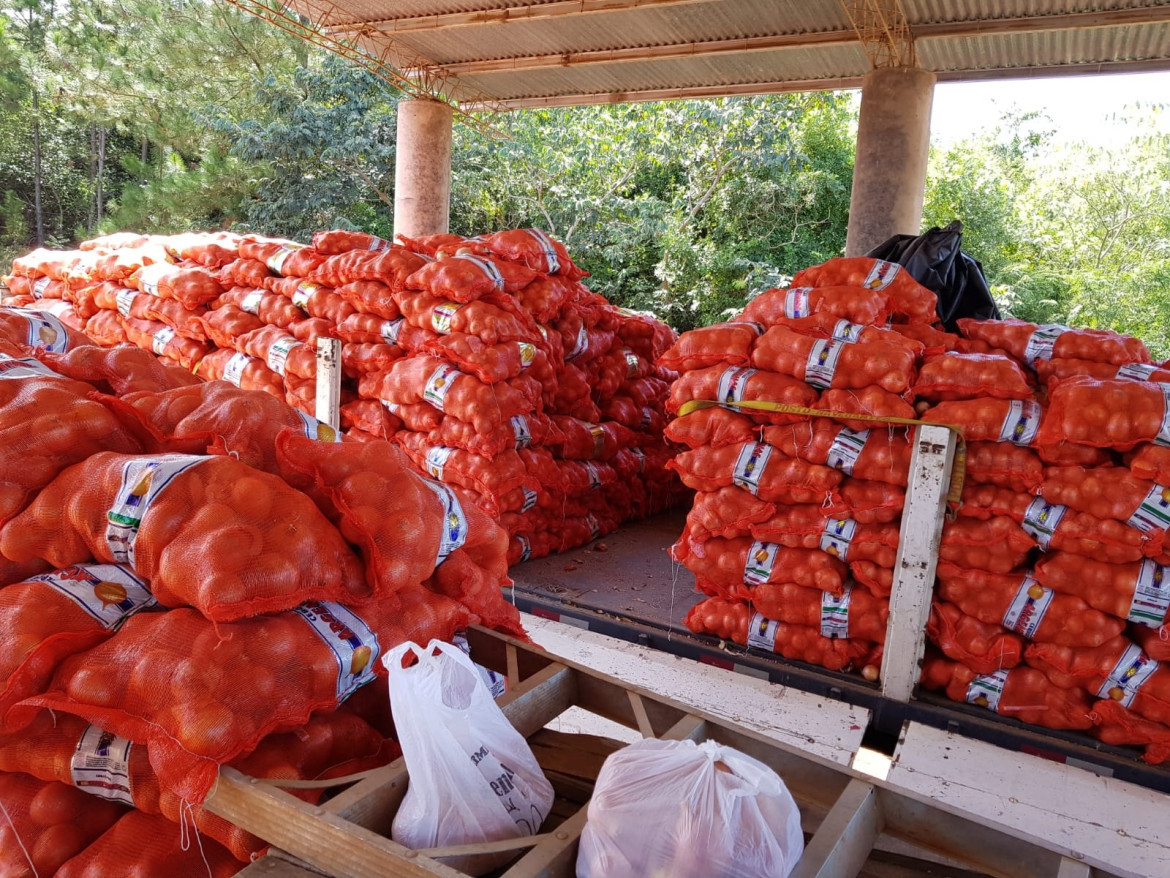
533 248
907 297
850 303
1022 693
38 329
729 343
117 371
983 647
1023 341
729 568
207 532
468 277
1113 414
47 824
1021 604
759 469
971 376
825 363
879 454
1139 592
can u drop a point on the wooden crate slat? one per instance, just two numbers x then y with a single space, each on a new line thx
845 838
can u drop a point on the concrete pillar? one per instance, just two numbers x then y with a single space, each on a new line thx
422 168
889 171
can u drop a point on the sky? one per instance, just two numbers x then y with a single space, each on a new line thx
1103 110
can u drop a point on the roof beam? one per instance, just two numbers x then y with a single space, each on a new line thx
944 30
528 12
804 85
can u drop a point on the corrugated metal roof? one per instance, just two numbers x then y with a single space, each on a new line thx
558 52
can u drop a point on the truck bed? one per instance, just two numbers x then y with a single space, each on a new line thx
626 586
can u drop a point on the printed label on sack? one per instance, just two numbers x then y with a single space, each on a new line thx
527 354
881 275
1151 595
143 479
1021 423
487 267
40 287
1128 676
160 340
822 362
149 277
986 690
548 248
1163 437
24 367
1154 511
455 527
530 498
353 644
521 431
759 328
733 383
838 536
1041 519
594 527
796 303
125 301
391 407
525 548
251 302
436 460
377 245
234 370
1027 609
633 364
45 331
750 465
101 765
276 260
1137 372
107 592
277 358
303 293
390 329
594 475
580 346
762 632
442 316
849 333
835 613
318 430
761 558
641 457
846 448
1042 341
496 683
439 385
598 433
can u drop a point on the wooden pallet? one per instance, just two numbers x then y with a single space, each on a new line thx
856 824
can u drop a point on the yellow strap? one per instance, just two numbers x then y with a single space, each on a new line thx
958 472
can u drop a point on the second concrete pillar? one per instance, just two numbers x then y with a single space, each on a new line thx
889 171
422 168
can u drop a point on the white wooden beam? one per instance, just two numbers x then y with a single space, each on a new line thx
931 460
329 382
845 838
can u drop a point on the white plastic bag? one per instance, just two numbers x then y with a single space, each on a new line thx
473 777
674 809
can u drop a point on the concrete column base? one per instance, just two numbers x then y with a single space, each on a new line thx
889 171
422 168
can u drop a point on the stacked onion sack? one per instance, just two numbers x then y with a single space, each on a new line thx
1049 577
485 359
190 578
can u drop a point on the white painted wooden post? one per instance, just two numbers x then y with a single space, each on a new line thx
329 382
931 461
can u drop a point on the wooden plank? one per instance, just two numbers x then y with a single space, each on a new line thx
820 727
845 838
931 461
323 840
329 382
640 715
1070 868
1115 827
556 856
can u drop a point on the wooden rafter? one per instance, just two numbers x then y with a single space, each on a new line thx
884 33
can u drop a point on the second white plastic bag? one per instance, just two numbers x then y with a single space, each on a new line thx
473 777
671 809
